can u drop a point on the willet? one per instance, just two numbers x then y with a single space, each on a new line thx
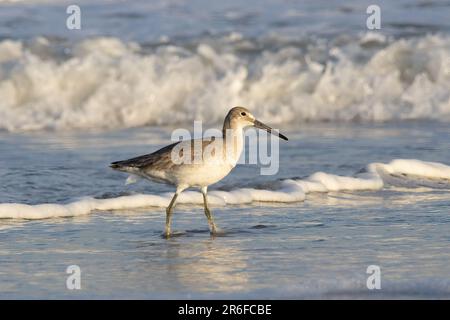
209 161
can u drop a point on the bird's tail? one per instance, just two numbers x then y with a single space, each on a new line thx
121 166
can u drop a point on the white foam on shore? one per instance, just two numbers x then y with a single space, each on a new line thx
108 83
289 190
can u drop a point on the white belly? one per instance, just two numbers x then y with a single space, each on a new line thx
200 175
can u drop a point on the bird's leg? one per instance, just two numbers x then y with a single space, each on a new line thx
212 225
169 211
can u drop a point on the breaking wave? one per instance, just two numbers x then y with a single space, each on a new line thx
376 176
107 83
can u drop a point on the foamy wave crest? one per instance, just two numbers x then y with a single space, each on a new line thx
106 83
374 177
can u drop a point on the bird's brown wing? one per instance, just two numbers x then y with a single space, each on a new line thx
158 160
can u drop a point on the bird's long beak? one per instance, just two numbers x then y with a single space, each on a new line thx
260 125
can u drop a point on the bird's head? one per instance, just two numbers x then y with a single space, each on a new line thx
242 117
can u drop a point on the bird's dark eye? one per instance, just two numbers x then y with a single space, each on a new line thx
243 114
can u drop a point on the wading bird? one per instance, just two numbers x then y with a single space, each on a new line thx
203 161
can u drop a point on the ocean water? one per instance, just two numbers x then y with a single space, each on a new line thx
363 180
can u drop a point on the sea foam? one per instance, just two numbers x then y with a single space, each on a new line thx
288 190
108 83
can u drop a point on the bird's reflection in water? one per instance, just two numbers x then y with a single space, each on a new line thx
207 266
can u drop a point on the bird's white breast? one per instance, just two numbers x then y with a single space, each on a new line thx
209 164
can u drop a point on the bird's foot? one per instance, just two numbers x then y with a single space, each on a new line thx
167 234
213 229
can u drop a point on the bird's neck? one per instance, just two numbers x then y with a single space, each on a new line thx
233 137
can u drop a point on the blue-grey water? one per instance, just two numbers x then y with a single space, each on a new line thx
317 248
72 101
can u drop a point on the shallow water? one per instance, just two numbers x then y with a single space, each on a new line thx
317 248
